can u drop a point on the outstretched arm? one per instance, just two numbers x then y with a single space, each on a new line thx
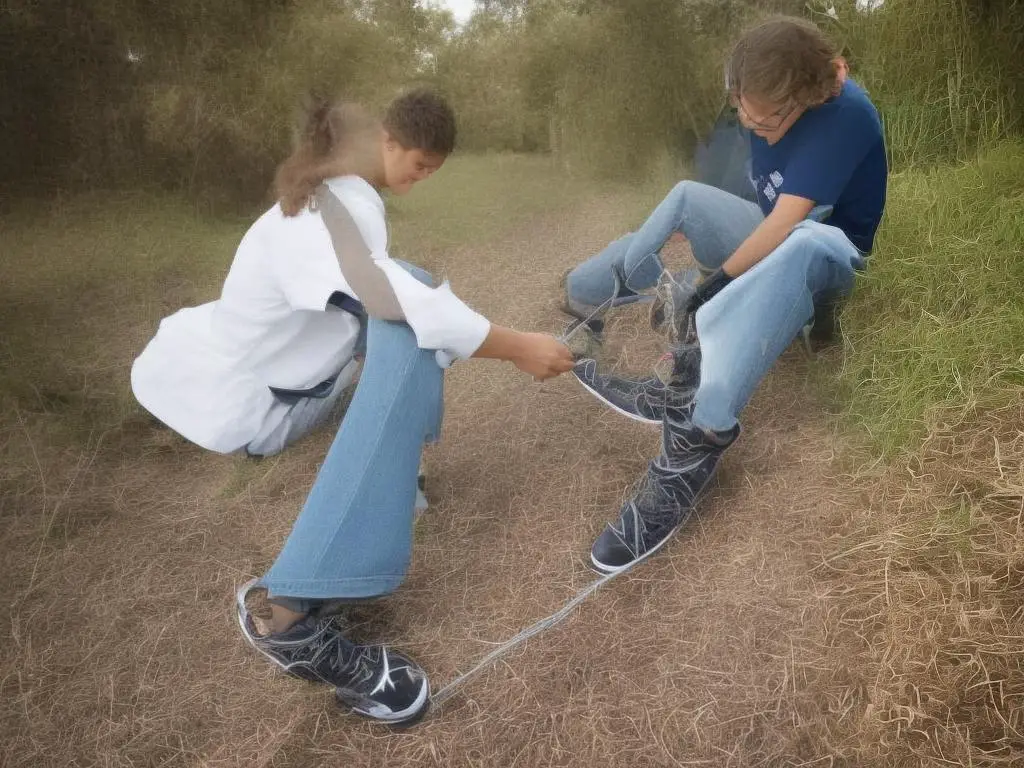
538 354
439 319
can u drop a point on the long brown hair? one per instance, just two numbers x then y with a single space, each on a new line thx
335 140
784 59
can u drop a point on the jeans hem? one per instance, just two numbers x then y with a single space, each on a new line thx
334 589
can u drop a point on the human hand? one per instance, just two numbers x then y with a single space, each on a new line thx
542 356
707 289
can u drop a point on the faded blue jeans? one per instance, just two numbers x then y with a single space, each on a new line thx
743 329
353 537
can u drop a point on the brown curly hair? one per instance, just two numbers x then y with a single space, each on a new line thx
422 119
783 59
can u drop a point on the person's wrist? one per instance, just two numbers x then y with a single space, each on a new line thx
718 280
709 288
519 347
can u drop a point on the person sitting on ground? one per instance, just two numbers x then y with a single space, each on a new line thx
819 170
309 276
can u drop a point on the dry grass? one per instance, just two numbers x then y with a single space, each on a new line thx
930 589
808 617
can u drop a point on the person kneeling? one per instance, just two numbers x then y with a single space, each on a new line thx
310 277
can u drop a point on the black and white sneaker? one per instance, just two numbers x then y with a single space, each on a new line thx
666 495
371 680
638 399
646 399
582 311
671 294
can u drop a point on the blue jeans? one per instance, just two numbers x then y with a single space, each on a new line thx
743 329
715 223
353 537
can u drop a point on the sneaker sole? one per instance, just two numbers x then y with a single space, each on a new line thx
614 407
403 718
608 570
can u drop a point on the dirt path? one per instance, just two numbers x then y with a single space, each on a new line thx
715 653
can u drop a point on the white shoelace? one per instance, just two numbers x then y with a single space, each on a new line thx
546 623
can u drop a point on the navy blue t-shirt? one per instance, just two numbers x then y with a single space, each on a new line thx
834 155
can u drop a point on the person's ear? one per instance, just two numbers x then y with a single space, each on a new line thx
842 71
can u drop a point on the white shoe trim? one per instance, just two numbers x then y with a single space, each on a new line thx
603 568
614 407
380 712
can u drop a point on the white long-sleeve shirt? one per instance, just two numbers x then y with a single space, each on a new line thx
207 372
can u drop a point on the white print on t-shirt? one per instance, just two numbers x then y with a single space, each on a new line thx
776 178
769 192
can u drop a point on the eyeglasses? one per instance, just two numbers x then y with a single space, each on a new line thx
772 123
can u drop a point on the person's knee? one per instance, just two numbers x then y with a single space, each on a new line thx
586 286
392 335
395 346
801 237
686 192
681 192
571 282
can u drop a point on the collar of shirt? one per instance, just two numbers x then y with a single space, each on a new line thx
356 185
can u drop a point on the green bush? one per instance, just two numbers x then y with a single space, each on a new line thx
945 74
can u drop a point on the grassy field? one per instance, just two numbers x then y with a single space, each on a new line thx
476 200
930 385
841 601
937 325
